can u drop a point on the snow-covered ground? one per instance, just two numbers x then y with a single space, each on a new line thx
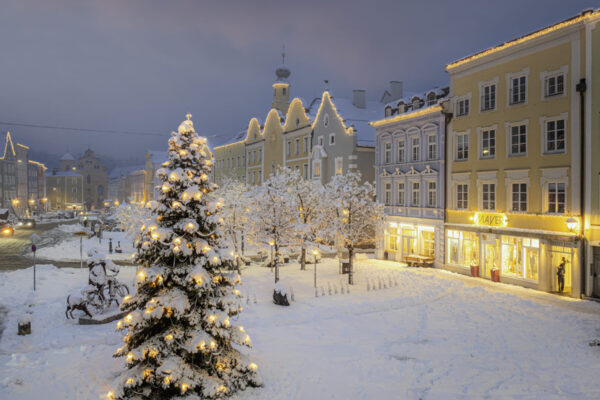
68 249
435 335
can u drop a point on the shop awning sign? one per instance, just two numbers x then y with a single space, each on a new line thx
490 219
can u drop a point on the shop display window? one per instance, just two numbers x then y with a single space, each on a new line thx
520 257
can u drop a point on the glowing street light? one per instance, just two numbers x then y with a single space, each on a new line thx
572 224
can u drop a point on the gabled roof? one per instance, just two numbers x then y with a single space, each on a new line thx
118 172
7 142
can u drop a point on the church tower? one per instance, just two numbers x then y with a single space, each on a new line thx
281 87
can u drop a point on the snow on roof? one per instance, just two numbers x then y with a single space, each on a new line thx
359 118
67 157
62 173
124 171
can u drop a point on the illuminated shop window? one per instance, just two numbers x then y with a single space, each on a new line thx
520 257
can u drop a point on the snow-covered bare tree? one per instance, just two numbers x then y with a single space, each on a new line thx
274 213
235 212
131 217
181 336
309 197
352 216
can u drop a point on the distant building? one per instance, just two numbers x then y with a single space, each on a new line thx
154 161
22 183
95 180
320 139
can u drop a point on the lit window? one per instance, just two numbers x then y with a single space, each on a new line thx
339 165
316 169
488 143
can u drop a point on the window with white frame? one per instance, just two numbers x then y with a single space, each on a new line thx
387 194
415 148
556 197
431 98
289 148
415 194
339 165
518 90
488 196
320 140
305 171
297 144
519 197
488 143
518 140
387 153
401 193
401 151
488 97
431 147
431 194
554 85
462 196
462 107
555 136
305 150
332 139
462 147
316 169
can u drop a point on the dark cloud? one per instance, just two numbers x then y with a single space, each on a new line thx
142 65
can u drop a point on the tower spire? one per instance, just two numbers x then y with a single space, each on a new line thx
283 54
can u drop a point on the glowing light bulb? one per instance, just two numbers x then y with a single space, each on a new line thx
119 324
253 366
128 318
152 228
184 387
205 249
183 153
167 379
173 176
190 225
247 339
212 318
226 322
129 382
155 235
177 240
110 395
184 196
176 249
153 352
146 374
169 337
215 259
198 196
126 298
241 328
202 345
222 389
198 280
175 204
213 344
165 188
141 275
237 292
130 358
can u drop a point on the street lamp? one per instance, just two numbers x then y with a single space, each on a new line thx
315 254
272 244
572 224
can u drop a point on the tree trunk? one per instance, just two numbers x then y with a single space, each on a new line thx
351 265
242 242
275 261
303 258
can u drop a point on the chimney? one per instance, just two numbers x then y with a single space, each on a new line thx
359 98
396 89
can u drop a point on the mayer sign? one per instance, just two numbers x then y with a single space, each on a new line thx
490 219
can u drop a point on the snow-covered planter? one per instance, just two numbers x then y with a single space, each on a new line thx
280 296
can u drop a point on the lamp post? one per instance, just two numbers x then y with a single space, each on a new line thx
315 254
272 244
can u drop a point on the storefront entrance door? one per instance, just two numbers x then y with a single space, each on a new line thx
489 257
596 272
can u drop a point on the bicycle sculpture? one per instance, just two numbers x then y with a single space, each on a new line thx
102 290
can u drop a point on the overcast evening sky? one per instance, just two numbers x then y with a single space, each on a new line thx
142 65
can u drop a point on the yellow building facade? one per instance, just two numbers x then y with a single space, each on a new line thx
514 173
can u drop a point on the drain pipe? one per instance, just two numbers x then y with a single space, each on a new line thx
581 88
447 120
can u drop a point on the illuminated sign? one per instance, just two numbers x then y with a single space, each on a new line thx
490 219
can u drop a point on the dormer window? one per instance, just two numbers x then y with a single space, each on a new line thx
416 103
431 99
401 107
388 111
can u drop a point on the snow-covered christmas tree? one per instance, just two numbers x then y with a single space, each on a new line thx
182 340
